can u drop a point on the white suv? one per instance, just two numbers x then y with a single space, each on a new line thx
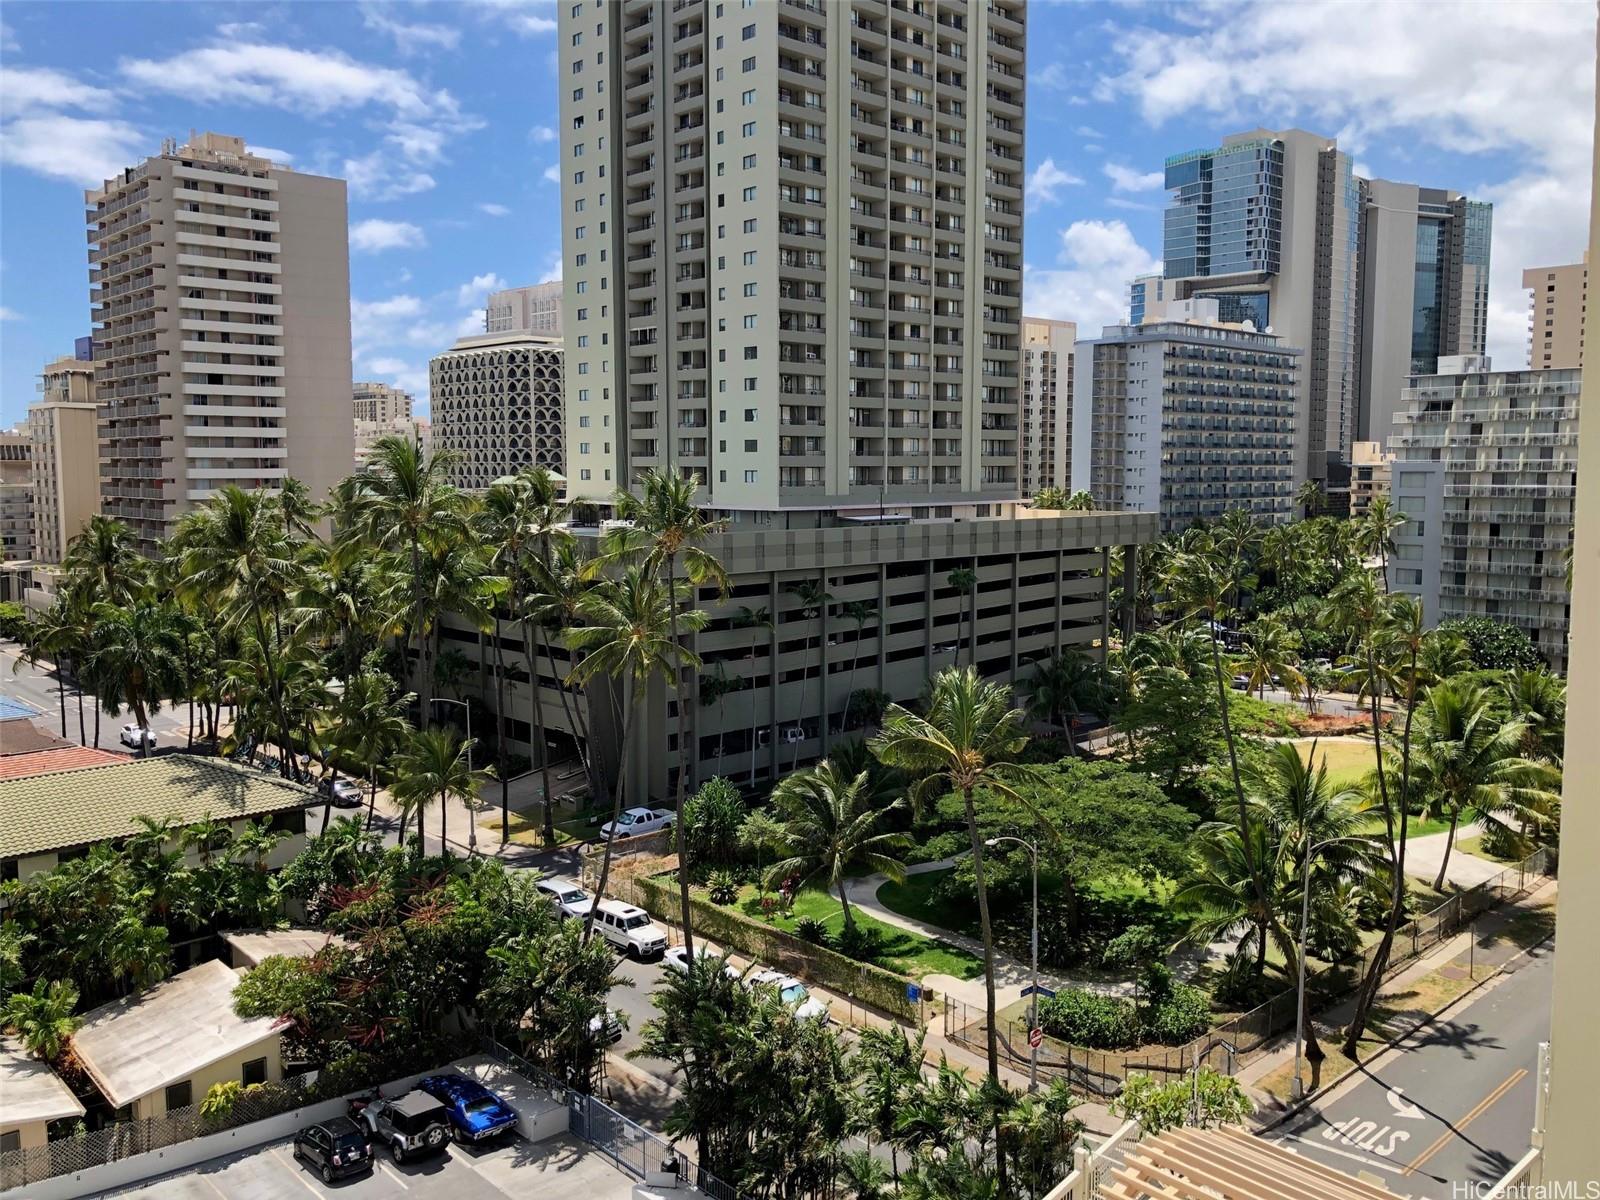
570 899
630 929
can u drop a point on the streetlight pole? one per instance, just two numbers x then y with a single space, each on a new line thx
1296 1088
1033 998
472 813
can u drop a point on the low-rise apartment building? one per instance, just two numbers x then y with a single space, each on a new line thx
32 1098
1485 471
1370 471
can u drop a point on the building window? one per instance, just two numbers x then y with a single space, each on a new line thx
749 289
180 1095
749 130
750 225
750 383
10 1140
748 32
749 476
750 321
255 1071
749 414
748 65
748 97
749 352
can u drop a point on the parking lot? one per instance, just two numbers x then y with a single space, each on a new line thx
556 1169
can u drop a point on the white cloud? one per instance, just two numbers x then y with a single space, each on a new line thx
277 156
9 314
552 269
1090 132
1131 205
28 89
527 18
410 39
552 174
494 210
8 39
1046 182
1126 179
399 373
1099 259
542 133
1051 75
1370 71
375 321
373 236
79 150
473 293
378 176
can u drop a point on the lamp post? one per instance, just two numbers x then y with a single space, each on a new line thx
1033 998
472 812
1296 1088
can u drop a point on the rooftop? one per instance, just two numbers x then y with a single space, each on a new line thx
78 807
250 946
1227 1164
164 1034
30 1091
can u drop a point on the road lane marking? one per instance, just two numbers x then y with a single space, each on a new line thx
1477 1111
391 1172
293 1167
1365 1159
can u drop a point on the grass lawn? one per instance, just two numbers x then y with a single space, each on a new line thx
900 950
915 899
1348 761
527 828
1474 846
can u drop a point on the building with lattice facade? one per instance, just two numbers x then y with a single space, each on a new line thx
497 404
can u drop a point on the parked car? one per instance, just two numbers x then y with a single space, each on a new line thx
570 899
1241 683
133 733
476 1112
334 1149
630 929
793 993
341 793
677 959
606 1028
414 1124
636 821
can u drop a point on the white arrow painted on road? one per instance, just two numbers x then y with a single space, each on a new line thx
1403 1107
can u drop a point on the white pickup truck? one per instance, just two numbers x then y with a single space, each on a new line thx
635 822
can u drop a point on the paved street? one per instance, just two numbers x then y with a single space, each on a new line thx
1451 1104
36 687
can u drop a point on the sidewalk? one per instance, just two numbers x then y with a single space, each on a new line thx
1470 960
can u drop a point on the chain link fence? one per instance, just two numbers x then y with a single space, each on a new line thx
1101 1073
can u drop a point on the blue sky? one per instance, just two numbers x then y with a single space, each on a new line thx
442 116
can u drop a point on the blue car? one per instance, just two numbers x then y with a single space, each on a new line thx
476 1112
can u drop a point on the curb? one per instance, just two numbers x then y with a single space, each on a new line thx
1306 1100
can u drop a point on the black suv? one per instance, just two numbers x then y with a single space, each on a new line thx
334 1148
416 1123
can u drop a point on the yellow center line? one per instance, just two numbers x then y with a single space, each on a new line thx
1478 1110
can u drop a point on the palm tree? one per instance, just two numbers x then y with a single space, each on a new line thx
830 828
1375 532
755 620
813 598
136 656
715 689
628 638
963 579
859 611
971 738
103 561
1539 700
1062 686
1269 656
433 768
51 636
1309 498
372 723
404 505
236 559
1469 763
1079 501
1222 891
43 1018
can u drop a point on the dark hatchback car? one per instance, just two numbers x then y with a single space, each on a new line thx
476 1112
334 1148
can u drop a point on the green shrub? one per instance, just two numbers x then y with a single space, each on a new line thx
859 943
812 930
723 887
1090 1019
1180 1016
217 1105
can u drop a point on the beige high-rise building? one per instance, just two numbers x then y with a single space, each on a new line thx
63 432
1370 470
496 404
1558 301
380 402
16 496
792 253
221 293
533 309
1047 350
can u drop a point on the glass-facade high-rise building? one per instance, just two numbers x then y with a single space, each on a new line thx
1375 281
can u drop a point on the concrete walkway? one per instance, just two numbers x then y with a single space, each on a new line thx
1010 975
1423 855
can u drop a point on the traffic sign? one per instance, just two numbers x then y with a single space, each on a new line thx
913 992
1035 1038
1039 990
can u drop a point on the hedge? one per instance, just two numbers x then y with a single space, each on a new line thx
869 984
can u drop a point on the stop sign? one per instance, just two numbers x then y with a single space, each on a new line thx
1036 1038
